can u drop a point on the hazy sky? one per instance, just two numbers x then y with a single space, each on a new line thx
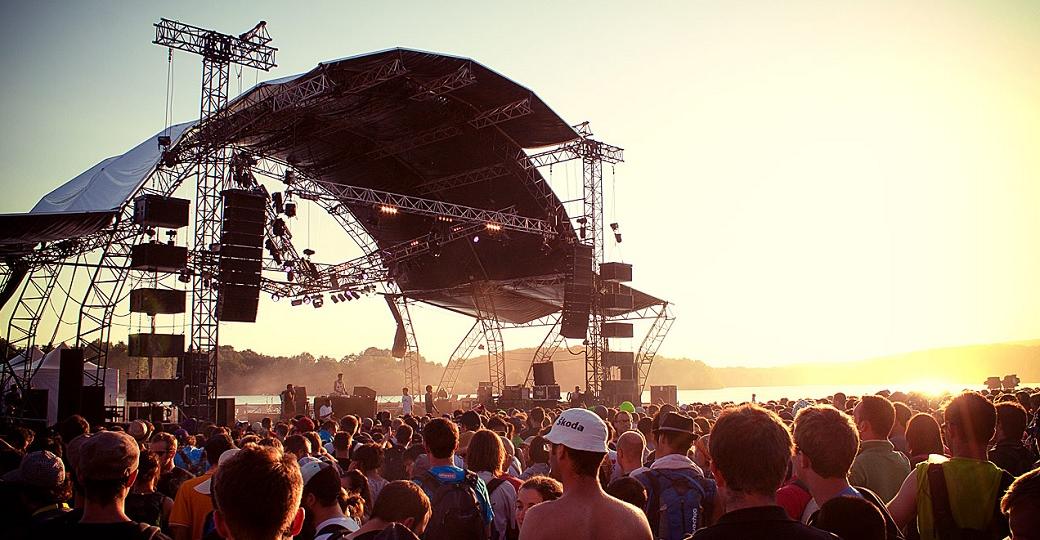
805 180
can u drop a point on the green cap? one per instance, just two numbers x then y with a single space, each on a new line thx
627 406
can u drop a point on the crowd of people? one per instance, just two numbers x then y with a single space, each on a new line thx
885 466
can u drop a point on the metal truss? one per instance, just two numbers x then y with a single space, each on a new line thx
577 149
250 49
458 358
25 320
466 178
484 304
299 92
411 355
501 114
459 78
544 353
652 342
376 75
423 138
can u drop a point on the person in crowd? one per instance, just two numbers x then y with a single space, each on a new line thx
288 397
826 441
297 445
406 402
629 490
1021 505
403 506
923 438
898 435
536 490
428 401
576 399
674 477
106 468
630 450
140 431
368 458
339 388
193 503
325 410
622 423
39 491
188 456
973 485
256 495
533 424
485 457
585 511
878 466
748 480
1009 451
145 504
538 458
355 483
470 422
164 447
322 493
645 425
852 518
461 506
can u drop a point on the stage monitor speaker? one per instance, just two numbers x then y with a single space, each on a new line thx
617 330
544 373
513 393
364 392
159 211
92 405
664 394
154 390
225 408
156 345
553 391
155 257
70 382
546 392
155 301
615 271
36 402
358 406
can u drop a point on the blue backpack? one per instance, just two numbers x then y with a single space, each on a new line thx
675 501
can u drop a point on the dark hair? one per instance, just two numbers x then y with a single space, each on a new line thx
325 486
349 423
470 420
549 489
73 427
400 500
403 435
923 435
538 450
485 452
441 437
358 484
879 412
315 441
147 466
628 489
369 457
741 428
1024 489
828 437
298 445
217 445
903 413
585 463
1012 418
974 416
258 491
851 518
341 441
536 416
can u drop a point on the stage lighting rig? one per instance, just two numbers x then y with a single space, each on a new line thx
317 301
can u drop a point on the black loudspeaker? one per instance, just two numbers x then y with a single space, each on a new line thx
544 373
621 302
241 255
154 301
153 390
238 303
618 391
628 373
156 345
154 257
553 391
225 408
515 392
70 382
615 271
617 330
364 392
664 394
36 402
546 392
152 413
618 358
577 293
159 211
301 399
93 404
358 406
484 391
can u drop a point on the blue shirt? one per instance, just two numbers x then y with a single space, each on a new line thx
194 455
447 474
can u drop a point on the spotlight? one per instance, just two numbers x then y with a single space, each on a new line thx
306 299
290 276
289 177
481 346
290 209
318 301
275 298
335 298
613 226
493 227
476 239
355 294
214 247
617 237
185 276
276 199
164 141
347 296
308 252
387 209
296 301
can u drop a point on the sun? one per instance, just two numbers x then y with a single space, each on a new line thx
934 386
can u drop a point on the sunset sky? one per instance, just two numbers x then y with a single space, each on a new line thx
806 181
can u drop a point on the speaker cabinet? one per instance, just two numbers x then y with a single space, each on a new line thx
664 394
155 390
618 358
364 392
92 405
70 382
156 345
359 406
238 303
225 408
36 401
617 330
544 373
577 293
615 271
154 257
155 301
616 301
301 399
159 211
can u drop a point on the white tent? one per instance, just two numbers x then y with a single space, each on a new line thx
46 377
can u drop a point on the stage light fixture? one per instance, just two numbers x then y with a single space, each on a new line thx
275 297
296 301
214 247
289 177
318 301
290 276
306 299
614 226
476 239
164 141
185 276
308 252
617 237
356 295
387 209
493 227
290 209
335 299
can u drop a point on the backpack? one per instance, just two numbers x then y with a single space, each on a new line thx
455 509
942 514
676 500
393 463
512 531
892 530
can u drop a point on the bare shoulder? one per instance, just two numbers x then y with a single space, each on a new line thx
539 521
627 517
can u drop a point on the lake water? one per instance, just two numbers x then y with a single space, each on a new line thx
737 393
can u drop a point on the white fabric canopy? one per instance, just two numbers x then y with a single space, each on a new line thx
47 369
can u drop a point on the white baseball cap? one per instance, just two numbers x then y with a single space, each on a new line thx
205 487
579 429
311 468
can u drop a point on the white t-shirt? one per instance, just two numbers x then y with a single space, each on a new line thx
406 404
347 522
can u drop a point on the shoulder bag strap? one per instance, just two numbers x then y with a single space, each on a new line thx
942 515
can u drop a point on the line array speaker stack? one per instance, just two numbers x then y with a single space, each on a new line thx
577 293
70 382
241 255
169 213
544 374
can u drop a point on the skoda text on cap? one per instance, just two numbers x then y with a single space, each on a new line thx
579 429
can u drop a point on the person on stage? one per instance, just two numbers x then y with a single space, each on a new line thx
431 407
406 402
325 410
338 388
288 402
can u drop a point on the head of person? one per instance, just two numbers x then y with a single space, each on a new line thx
289 387
403 502
403 435
349 424
72 427
216 445
923 435
256 495
321 486
579 444
851 518
826 442
148 469
838 400
1011 421
485 452
536 490
622 422
368 458
538 450
628 489
441 438
470 420
106 465
40 479
674 434
404 391
630 448
339 376
903 414
315 442
1021 504
298 445
874 416
969 423
536 417
738 472
164 447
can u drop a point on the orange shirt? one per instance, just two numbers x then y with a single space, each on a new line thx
191 507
